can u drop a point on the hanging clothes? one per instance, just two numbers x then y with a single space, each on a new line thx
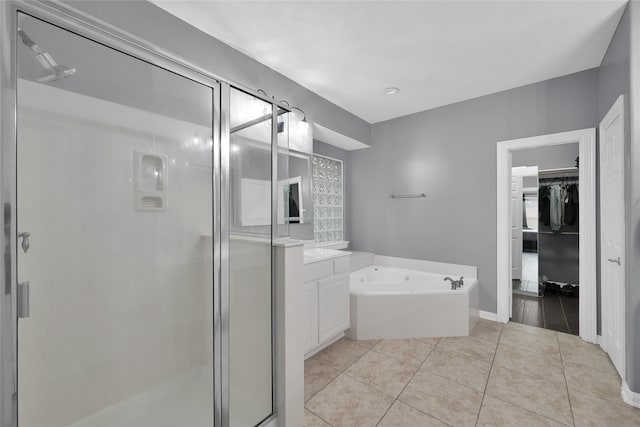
544 205
563 202
572 206
555 207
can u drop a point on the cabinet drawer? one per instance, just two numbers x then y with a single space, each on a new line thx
341 265
318 270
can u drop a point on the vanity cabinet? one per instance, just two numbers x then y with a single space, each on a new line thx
333 307
326 302
310 316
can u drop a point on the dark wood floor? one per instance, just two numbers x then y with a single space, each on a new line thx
553 311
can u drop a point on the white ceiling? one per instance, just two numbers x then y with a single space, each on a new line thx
436 52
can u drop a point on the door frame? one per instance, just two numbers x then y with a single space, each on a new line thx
586 139
616 110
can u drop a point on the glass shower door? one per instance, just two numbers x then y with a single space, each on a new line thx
114 193
250 266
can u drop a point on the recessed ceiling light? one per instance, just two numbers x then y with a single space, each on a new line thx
391 90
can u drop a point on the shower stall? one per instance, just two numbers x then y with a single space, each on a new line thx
139 212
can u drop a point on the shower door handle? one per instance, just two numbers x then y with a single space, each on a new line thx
25 241
616 260
23 300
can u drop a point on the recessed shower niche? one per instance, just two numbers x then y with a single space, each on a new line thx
150 181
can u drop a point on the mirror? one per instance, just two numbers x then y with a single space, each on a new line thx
299 196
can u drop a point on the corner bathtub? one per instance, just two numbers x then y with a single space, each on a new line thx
388 302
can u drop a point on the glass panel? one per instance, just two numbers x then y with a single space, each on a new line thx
327 199
250 325
115 189
289 192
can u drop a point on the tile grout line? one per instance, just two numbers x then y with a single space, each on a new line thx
493 361
564 314
328 423
336 377
468 355
515 404
544 314
566 384
403 361
405 387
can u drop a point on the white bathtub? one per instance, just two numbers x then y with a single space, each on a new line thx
390 302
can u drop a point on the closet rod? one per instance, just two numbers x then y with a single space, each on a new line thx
564 233
559 178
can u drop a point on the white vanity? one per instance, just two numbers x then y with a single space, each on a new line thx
326 297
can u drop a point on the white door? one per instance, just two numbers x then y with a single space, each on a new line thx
333 307
516 227
612 233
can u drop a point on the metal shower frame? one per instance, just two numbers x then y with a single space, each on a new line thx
68 18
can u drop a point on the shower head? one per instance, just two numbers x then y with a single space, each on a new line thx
54 71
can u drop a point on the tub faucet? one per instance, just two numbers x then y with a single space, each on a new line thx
455 284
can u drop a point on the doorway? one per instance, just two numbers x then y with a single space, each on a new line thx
585 141
546 288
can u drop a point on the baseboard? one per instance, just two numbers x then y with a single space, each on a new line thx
321 347
272 423
630 397
487 315
599 340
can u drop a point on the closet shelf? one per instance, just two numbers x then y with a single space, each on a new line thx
566 171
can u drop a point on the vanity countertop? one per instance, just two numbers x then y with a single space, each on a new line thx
319 254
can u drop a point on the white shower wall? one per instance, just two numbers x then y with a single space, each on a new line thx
121 300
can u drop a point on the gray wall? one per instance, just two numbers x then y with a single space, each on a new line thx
633 207
149 22
450 154
619 76
337 153
614 80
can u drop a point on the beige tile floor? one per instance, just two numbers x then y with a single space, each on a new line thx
511 375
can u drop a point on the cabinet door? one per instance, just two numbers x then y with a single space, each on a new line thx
310 316
333 307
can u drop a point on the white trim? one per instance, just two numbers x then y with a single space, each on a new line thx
525 171
272 423
331 137
586 138
487 315
630 397
326 344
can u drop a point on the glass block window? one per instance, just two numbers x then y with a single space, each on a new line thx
327 199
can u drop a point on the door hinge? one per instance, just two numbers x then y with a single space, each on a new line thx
23 299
